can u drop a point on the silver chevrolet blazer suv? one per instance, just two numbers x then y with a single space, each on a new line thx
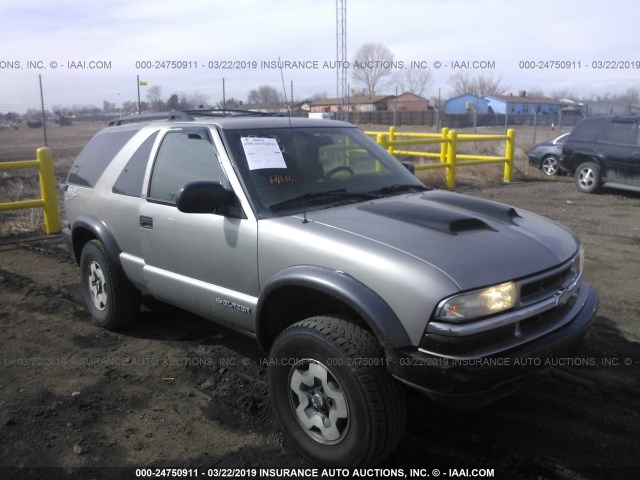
354 278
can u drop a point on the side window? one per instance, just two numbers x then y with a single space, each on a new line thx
183 157
587 129
617 132
130 180
96 156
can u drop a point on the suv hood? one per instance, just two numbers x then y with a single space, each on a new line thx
475 242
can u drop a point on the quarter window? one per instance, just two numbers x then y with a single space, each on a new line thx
130 180
96 156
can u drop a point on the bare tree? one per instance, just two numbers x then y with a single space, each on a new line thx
481 85
562 94
631 96
535 92
264 97
173 103
233 102
316 97
371 65
414 80
154 96
198 100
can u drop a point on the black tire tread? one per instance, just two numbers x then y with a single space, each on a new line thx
125 297
386 396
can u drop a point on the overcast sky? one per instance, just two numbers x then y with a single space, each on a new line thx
121 32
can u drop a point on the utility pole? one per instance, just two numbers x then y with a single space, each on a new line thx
44 118
224 96
138 85
341 56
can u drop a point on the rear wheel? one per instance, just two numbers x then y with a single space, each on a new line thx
587 177
333 395
110 298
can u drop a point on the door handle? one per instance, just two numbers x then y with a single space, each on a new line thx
146 222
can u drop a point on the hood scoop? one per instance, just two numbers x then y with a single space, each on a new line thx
434 217
480 206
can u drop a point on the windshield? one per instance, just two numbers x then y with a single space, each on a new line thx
290 169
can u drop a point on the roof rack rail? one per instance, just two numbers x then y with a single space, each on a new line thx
227 112
146 117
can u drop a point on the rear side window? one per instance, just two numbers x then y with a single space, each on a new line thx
183 157
618 132
130 180
96 156
588 129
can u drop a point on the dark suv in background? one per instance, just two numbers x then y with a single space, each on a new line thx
603 150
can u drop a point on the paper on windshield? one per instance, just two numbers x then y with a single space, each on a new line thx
262 153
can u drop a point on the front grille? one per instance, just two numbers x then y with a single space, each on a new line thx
541 287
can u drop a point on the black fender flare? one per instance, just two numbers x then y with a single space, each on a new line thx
99 230
378 315
577 158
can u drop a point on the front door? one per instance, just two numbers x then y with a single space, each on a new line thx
205 263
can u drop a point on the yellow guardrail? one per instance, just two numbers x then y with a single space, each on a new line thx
49 200
448 156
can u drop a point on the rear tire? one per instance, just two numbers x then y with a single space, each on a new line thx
587 177
333 395
111 299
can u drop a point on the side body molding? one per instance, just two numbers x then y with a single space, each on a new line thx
380 318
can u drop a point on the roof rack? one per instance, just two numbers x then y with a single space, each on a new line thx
188 115
145 117
227 112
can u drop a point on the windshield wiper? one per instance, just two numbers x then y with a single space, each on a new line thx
301 200
397 189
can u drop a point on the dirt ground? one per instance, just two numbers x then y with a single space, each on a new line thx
177 391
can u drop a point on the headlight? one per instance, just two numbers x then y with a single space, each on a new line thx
480 303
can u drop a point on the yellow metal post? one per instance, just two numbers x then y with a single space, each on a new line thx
444 145
382 140
392 137
509 153
48 190
452 136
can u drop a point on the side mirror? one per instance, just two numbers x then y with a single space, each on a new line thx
204 197
409 166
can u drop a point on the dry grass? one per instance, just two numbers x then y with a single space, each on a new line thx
15 185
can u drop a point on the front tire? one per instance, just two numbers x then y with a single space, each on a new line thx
111 299
333 395
587 177
550 165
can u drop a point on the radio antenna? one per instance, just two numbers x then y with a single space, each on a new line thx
284 89
286 101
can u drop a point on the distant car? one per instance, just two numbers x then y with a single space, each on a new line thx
546 155
604 150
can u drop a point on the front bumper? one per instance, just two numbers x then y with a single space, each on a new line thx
535 161
466 381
